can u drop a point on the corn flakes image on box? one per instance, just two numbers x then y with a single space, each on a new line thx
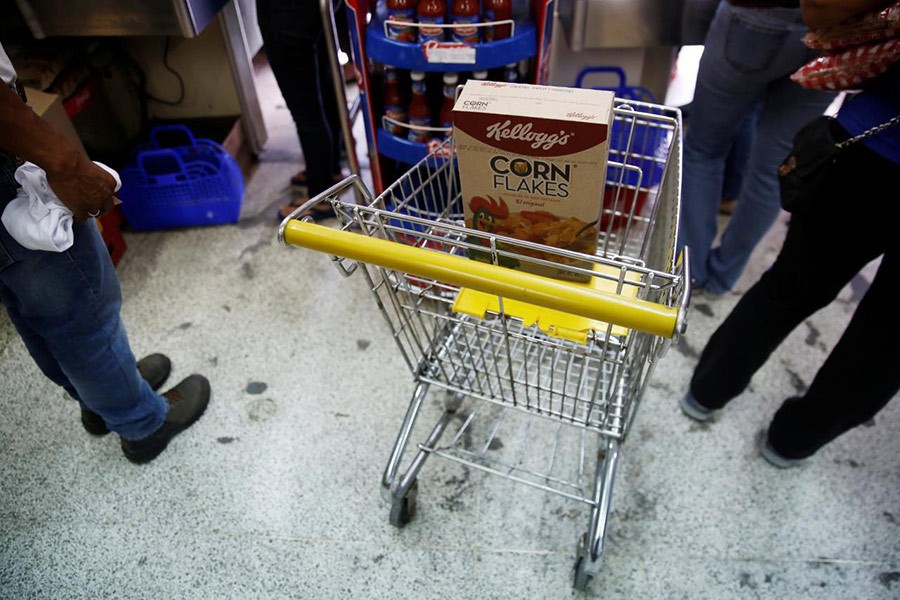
532 166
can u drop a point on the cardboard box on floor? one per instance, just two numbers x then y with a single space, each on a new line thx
50 107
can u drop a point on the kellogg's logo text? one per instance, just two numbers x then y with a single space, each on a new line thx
523 133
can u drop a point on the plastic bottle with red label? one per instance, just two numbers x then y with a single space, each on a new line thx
464 16
419 111
401 12
394 107
524 66
497 10
431 13
450 81
480 75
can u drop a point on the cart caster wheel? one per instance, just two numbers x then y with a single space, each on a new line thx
453 401
582 577
404 509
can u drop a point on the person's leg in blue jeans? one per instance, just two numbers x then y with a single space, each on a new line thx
746 51
739 156
66 307
787 108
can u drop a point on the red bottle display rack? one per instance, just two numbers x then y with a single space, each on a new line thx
521 42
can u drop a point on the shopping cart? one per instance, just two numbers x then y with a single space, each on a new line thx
558 367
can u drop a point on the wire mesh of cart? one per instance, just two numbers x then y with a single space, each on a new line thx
559 367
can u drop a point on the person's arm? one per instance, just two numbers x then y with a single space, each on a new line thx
78 183
826 13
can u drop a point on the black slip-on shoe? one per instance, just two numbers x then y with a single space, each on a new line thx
772 456
154 369
692 408
187 401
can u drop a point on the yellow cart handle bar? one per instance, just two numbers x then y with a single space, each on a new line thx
492 279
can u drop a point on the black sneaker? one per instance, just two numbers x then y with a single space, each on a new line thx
692 408
772 456
187 401
154 369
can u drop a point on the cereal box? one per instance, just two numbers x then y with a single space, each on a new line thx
532 166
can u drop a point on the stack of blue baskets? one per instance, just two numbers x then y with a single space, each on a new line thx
630 139
180 181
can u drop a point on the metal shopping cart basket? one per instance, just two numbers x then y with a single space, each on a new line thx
559 367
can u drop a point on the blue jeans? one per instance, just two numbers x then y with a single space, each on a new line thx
65 306
749 56
738 156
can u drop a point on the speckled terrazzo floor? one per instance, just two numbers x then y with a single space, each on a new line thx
275 492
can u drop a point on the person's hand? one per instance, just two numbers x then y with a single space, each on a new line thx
86 189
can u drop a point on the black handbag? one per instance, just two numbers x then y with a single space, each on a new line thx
815 149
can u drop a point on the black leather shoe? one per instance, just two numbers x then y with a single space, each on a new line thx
154 369
187 401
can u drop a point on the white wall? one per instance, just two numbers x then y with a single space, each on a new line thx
204 67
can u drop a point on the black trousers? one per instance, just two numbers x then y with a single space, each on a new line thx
853 220
292 33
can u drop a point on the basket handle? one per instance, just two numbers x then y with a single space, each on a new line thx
618 71
623 90
492 279
160 163
172 136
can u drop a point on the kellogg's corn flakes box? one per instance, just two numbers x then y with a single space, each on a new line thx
532 166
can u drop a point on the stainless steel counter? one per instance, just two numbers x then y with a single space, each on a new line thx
621 23
186 18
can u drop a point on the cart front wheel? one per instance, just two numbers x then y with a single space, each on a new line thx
404 509
582 577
